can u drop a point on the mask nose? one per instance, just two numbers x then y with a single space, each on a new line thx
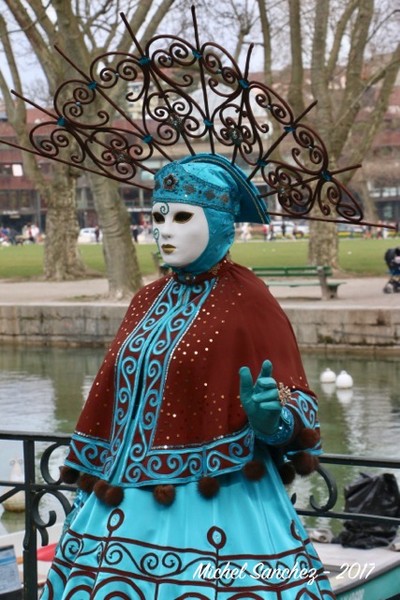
165 228
165 234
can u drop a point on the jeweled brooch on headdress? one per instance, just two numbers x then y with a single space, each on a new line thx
169 182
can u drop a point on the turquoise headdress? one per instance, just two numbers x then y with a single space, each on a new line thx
211 181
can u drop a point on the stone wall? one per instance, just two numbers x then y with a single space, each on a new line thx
363 327
60 324
95 324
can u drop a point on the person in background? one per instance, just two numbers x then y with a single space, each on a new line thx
245 234
271 236
135 232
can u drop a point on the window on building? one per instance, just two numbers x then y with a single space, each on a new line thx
17 170
6 169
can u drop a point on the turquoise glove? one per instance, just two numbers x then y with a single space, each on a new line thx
261 401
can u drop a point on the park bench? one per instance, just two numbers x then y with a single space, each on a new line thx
300 276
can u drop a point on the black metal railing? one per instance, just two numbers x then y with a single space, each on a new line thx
41 480
38 481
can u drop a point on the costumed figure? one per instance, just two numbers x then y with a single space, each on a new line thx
199 408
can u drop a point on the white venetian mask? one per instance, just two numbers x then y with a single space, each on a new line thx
181 232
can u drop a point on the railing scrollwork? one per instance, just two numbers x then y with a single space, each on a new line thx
38 484
332 492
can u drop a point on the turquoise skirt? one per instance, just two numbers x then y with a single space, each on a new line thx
245 543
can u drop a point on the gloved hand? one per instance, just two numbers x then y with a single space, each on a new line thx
261 401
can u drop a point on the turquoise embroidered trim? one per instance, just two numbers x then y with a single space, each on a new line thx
91 453
141 373
306 407
181 465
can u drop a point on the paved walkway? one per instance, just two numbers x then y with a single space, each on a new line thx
362 292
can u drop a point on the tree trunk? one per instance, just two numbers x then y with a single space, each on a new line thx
323 246
370 211
61 258
122 266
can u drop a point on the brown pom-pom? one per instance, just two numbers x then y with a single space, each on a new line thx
100 488
114 495
111 495
87 482
208 487
305 463
254 470
164 494
68 475
307 437
287 473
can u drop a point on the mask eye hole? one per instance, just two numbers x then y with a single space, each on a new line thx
183 216
158 217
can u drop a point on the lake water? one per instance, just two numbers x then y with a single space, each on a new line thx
43 390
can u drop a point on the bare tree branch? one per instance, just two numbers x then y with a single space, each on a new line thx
139 17
319 81
354 84
266 35
44 54
371 127
341 26
295 94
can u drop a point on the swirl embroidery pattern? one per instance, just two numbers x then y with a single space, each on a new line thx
141 570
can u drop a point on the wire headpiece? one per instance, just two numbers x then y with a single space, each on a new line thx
132 111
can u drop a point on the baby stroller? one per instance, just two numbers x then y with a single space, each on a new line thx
392 259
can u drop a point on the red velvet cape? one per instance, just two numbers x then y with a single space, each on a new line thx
237 323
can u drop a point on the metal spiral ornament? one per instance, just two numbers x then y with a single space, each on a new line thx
176 97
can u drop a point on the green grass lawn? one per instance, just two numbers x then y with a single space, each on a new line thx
357 256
